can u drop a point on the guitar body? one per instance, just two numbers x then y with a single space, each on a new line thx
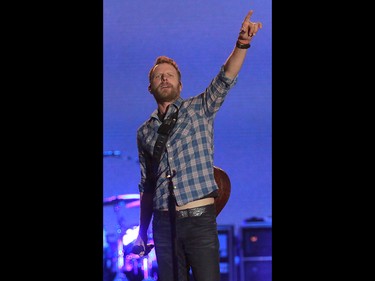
223 182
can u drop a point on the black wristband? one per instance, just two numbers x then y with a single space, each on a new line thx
242 46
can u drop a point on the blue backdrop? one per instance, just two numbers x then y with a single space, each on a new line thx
199 35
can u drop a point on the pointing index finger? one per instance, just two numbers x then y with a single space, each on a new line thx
248 15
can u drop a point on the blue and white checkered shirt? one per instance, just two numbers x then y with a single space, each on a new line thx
189 149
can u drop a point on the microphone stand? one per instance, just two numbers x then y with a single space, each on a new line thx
172 218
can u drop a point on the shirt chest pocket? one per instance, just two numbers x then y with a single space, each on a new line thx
184 132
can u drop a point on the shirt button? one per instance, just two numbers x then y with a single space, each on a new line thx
175 187
170 158
168 145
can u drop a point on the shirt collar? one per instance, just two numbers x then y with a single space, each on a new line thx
176 105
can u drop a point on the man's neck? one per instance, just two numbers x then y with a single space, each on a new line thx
161 115
162 109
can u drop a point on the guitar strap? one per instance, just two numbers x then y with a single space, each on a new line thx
164 131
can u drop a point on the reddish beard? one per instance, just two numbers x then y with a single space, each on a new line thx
168 94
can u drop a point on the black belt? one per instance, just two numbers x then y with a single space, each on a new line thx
187 213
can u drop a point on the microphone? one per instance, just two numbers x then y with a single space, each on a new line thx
140 250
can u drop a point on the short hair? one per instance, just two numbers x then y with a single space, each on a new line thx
164 59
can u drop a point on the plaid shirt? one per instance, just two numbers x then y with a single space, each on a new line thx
189 149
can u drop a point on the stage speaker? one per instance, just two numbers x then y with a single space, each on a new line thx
256 251
257 270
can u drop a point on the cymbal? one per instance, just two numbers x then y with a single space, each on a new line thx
133 204
120 198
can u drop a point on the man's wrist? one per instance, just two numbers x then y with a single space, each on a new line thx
242 45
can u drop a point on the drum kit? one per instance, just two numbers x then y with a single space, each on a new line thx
119 264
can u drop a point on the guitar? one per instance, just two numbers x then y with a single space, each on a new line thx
223 182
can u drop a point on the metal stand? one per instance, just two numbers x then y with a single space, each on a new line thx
172 218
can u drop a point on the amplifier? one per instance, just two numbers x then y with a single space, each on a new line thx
256 251
256 239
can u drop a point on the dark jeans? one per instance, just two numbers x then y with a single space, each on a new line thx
197 247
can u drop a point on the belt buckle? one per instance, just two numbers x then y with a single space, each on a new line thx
183 214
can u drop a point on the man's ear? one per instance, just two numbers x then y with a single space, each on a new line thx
149 88
180 86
